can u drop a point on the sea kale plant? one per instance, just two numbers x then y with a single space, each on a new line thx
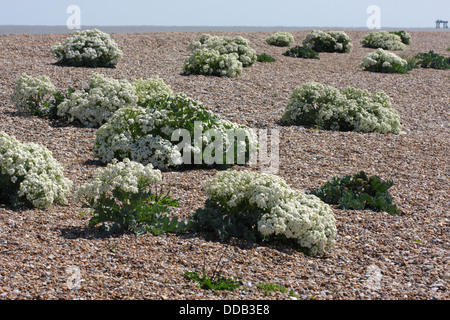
358 192
350 109
37 96
301 52
331 41
98 101
94 105
89 48
280 39
257 206
125 196
149 135
394 40
385 62
432 60
211 62
221 56
30 176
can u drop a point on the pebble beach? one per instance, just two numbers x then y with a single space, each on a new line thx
378 256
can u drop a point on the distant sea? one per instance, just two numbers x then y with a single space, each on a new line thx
16 29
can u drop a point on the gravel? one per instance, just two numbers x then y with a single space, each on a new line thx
53 254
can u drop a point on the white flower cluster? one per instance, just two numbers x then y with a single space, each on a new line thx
214 55
92 48
30 170
97 103
148 90
285 211
346 110
145 134
210 62
125 176
280 39
385 40
31 93
331 41
384 61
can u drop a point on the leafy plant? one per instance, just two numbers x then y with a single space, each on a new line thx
280 39
432 60
301 52
214 282
358 192
121 200
265 58
331 41
271 287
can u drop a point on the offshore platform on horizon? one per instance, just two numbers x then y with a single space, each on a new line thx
444 23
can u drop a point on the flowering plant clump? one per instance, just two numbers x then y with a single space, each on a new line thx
227 45
385 61
32 94
148 90
280 39
210 62
262 206
29 175
90 48
124 196
348 110
405 36
386 40
331 41
103 96
145 134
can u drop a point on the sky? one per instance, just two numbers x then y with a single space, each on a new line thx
289 13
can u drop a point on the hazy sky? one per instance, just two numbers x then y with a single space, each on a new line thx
297 13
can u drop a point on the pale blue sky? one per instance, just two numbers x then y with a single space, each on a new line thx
297 13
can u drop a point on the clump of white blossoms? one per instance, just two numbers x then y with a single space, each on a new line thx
148 90
90 48
331 41
384 61
29 175
277 211
386 40
31 94
280 39
350 109
125 176
145 135
215 55
96 104
210 62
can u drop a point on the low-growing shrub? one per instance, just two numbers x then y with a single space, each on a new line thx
404 36
29 175
385 62
89 48
96 104
258 206
350 109
280 39
145 135
227 45
432 60
210 62
386 40
264 57
124 196
301 52
37 96
331 41
358 192
219 56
